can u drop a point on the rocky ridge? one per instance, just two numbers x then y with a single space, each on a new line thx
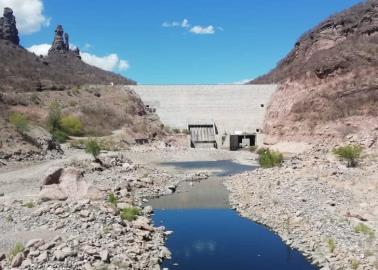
328 82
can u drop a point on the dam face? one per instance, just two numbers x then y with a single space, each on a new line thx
230 109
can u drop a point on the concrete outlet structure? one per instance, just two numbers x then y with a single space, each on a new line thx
227 116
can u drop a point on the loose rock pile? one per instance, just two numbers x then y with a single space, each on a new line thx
90 233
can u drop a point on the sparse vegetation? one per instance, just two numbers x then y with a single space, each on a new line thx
354 264
112 199
19 121
331 245
29 204
93 147
71 125
176 130
349 153
16 249
364 229
253 148
129 214
269 158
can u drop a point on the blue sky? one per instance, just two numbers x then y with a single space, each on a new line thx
245 39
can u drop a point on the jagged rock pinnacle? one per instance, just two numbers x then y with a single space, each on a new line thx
8 29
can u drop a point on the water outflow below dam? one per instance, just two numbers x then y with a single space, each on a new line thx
208 234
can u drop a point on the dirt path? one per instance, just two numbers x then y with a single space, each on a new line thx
24 182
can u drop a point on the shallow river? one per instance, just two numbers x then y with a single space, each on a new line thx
208 235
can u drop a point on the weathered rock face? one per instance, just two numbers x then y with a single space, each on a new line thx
8 29
328 81
61 44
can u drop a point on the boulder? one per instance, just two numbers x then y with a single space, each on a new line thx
67 183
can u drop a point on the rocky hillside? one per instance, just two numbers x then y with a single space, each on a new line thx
94 101
329 81
21 70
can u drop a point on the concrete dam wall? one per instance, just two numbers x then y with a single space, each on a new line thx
234 109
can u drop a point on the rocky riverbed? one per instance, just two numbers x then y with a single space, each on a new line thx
67 227
317 205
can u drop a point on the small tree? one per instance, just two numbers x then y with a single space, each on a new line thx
19 121
349 153
93 147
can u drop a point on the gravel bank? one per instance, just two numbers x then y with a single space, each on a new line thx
317 205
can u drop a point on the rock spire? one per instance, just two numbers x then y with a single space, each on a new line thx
8 29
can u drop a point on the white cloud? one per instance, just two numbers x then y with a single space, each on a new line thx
185 23
203 30
123 65
171 24
29 14
40 49
198 29
110 62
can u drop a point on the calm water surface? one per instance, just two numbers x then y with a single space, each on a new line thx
208 235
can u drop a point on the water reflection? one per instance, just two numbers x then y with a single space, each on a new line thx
218 167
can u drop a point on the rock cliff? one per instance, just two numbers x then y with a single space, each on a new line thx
329 81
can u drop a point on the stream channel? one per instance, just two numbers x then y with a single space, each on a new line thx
209 235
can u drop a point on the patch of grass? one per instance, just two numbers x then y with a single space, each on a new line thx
71 125
19 121
16 249
350 153
364 229
93 147
269 158
331 245
112 199
54 117
29 204
129 214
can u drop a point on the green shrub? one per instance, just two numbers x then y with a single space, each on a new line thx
54 117
19 121
269 158
71 125
331 245
350 153
362 228
129 214
18 248
354 264
29 204
93 147
112 199
60 136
